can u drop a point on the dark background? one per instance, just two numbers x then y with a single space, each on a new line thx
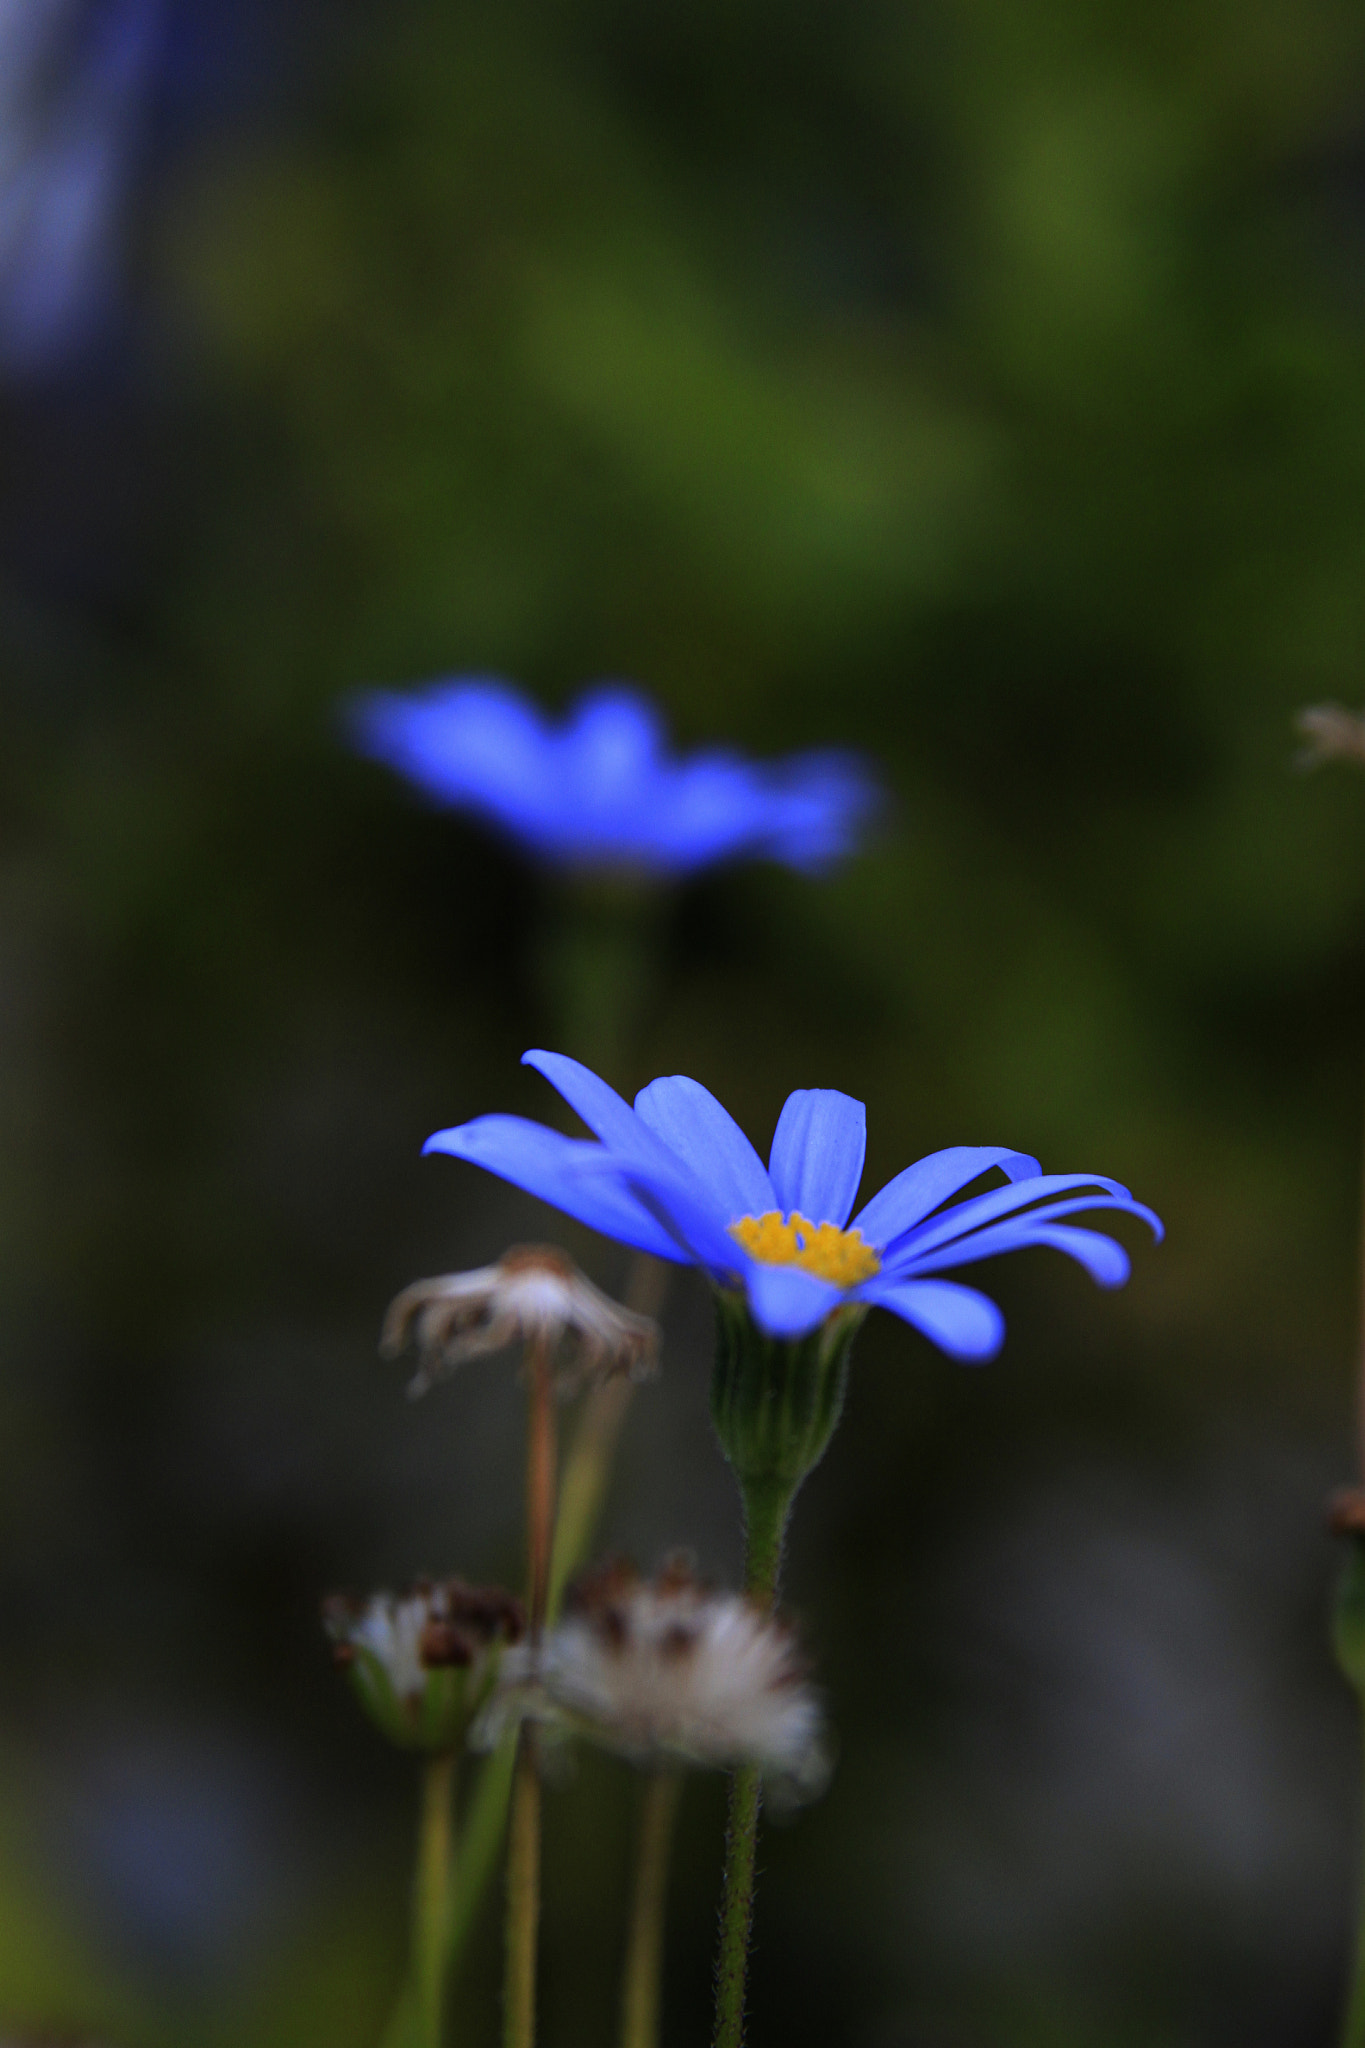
977 382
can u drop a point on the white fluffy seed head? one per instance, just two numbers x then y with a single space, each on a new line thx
666 1671
533 1294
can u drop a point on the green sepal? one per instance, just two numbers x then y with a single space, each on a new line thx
435 1719
1348 1618
775 1401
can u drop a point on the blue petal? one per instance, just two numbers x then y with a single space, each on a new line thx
563 1171
684 1211
613 743
687 1208
475 743
1105 1260
965 1324
601 1108
818 1151
787 1302
953 1223
911 1196
706 1138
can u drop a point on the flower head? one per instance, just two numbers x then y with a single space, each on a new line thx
676 1176
534 1291
599 790
423 1662
668 1671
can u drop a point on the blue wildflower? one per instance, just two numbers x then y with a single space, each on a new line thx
600 791
676 1176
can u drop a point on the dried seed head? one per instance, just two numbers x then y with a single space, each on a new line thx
1330 733
423 1662
533 1293
669 1671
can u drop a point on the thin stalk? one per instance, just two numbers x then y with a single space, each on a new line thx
641 1982
481 1837
1353 2033
1360 1335
435 1855
737 1906
587 1468
766 1513
523 1899
523 1842
541 1459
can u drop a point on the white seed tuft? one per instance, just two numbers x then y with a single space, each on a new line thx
669 1672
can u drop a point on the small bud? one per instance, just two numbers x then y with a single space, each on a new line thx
669 1672
423 1662
534 1292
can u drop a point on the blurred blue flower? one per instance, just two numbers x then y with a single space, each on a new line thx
676 1176
599 791
73 80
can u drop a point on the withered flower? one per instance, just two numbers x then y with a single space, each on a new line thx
423 1662
668 1671
1330 733
534 1293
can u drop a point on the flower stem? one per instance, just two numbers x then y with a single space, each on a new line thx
523 1842
1353 2033
435 1847
540 1481
737 1906
523 1899
587 1467
640 1984
766 1510
485 1824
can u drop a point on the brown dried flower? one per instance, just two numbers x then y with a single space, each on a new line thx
534 1292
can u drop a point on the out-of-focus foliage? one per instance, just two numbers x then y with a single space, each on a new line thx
979 384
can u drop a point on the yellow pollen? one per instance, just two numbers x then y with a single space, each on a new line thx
842 1256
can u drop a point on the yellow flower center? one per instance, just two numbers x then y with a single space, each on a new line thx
843 1256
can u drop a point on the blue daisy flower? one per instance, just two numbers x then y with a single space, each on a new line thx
676 1176
600 791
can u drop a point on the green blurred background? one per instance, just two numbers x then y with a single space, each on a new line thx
979 384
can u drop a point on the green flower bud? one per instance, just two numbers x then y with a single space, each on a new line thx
775 1401
423 1663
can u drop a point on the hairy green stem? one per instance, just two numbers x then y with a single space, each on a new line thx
523 1899
642 1978
767 1509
